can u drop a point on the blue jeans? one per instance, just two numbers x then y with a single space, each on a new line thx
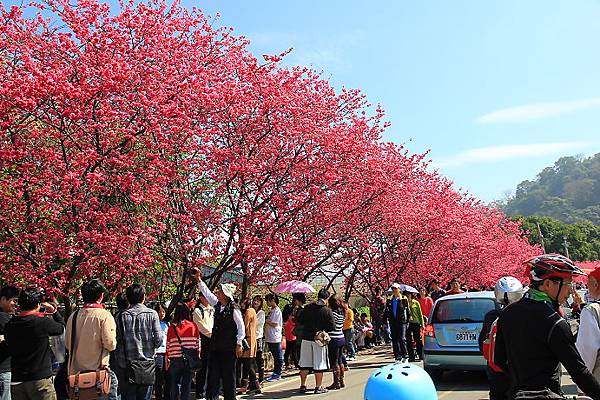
385 333
399 340
349 338
114 387
179 374
275 349
5 386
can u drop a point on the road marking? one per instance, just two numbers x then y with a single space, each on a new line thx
446 393
297 378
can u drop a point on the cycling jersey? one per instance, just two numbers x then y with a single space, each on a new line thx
532 341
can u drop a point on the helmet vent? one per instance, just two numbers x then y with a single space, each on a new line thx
389 376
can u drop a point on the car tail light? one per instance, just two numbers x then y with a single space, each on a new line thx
429 331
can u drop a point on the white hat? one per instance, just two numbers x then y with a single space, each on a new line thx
228 289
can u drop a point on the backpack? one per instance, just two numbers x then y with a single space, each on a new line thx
489 347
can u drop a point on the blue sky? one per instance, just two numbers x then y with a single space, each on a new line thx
497 90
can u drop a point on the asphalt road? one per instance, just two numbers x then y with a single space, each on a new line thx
454 385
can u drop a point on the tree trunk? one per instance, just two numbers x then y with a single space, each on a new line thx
245 280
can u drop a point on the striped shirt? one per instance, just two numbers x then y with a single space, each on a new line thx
338 322
190 338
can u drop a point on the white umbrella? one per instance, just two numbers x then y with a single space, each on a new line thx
407 288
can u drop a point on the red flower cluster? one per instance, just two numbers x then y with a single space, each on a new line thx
142 142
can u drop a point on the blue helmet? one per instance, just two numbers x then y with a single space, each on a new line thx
400 382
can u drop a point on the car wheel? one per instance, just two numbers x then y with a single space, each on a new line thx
435 374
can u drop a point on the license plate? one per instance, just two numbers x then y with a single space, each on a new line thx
466 337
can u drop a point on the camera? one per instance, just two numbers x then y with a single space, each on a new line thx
245 345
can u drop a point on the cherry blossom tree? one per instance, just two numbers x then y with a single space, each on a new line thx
141 142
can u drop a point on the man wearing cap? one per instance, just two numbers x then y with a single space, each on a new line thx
397 316
228 332
588 338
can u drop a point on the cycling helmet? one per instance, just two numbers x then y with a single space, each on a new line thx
548 266
400 382
508 290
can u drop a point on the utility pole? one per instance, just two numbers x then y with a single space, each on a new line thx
541 237
566 245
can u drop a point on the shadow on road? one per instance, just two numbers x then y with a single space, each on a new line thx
457 381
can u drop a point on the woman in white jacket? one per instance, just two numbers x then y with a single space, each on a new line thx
257 304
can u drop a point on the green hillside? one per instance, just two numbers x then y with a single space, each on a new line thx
569 191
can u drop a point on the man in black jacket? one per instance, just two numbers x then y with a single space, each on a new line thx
8 307
28 341
228 333
397 314
532 339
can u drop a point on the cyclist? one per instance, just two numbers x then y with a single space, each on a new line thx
507 290
533 339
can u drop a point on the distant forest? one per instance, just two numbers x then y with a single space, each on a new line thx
569 191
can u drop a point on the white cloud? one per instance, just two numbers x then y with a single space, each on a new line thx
321 52
537 111
509 152
320 59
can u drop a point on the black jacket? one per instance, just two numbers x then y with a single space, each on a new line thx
224 332
402 312
532 341
488 320
313 318
4 357
28 343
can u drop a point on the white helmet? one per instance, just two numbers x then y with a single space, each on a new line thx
508 290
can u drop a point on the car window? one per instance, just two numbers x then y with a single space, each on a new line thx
462 310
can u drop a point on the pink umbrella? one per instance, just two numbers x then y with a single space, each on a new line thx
294 287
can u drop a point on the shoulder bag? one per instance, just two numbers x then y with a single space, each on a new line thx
191 359
139 372
86 385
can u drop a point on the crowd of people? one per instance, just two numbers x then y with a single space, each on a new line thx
215 345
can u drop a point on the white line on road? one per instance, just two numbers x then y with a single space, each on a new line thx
297 378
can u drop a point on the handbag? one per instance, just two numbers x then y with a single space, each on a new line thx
191 359
322 338
139 372
86 385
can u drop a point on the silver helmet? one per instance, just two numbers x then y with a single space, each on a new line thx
508 290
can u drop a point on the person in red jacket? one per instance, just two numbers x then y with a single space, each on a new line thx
181 332
426 303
